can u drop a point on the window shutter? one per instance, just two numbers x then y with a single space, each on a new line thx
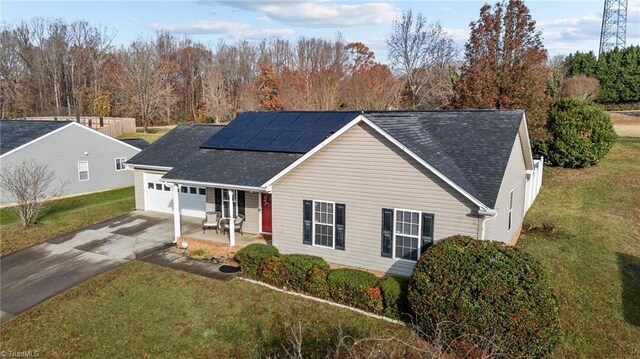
218 199
340 225
241 202
387 232
307 211
427 231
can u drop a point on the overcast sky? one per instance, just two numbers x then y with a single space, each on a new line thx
567 26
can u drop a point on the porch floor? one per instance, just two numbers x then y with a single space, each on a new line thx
242 240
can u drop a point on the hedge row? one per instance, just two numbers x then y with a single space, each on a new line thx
311 275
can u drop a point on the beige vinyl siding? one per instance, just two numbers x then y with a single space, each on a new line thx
514 179
138 183
366 172
251 224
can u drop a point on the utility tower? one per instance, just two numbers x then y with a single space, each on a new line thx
614 25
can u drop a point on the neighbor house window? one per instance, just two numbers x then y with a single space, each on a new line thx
225 203
120 163
406 235
323 223
83 171
510 210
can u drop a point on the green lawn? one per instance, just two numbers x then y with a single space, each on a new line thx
153 135
141 310
62 216
593 254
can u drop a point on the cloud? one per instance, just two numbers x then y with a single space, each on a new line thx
202 27
315 14
458 35
230 29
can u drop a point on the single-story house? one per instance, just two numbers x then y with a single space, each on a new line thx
370 190
84 160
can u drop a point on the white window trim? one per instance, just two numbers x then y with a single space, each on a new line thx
510 213
88 177
313 224
395 214
122 161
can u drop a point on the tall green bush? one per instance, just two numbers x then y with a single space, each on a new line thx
466 291
252 256
582 134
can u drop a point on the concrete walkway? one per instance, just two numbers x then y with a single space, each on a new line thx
32 275
204 268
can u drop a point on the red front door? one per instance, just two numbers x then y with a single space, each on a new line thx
266 212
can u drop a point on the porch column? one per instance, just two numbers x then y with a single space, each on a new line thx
232 220
176 213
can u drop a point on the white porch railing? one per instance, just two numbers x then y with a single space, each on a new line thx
534 182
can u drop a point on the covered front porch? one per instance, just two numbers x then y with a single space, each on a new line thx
233 216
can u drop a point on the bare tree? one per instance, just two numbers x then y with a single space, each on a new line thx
424 54
143 82
557 73
581 87
28 185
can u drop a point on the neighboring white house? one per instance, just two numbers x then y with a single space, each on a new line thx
84 159
370 190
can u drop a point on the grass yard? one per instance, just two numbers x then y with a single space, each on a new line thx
62 216
593 254
152 136
141 310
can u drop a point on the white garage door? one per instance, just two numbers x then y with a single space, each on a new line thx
159 197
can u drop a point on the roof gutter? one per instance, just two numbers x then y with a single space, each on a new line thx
216 185
147 167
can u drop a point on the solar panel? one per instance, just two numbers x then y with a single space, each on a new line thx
296 132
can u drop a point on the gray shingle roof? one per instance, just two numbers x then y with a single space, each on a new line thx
136 142
176 146
471 148
15 133
232 167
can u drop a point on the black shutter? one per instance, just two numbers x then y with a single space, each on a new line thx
340 224
427 231
387 232
307 212
241 202
218 199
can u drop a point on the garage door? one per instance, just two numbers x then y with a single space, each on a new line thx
159 197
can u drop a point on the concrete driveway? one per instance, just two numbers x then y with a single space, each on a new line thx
34 274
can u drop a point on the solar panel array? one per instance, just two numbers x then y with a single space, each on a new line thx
279 131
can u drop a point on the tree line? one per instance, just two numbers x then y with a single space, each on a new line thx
50 67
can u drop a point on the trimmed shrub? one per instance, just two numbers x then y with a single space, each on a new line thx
297 267
582 134
272 271
355 288
252 256
394 296
477 290
316 283
302 273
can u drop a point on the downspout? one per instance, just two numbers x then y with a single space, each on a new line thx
485 215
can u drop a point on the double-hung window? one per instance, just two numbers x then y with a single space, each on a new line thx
407 235
83 170
120 163
510 210
323 223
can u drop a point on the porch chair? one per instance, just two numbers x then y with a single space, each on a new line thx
237 226
211 221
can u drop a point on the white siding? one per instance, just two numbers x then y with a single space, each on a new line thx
514 179
366 172
63 150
